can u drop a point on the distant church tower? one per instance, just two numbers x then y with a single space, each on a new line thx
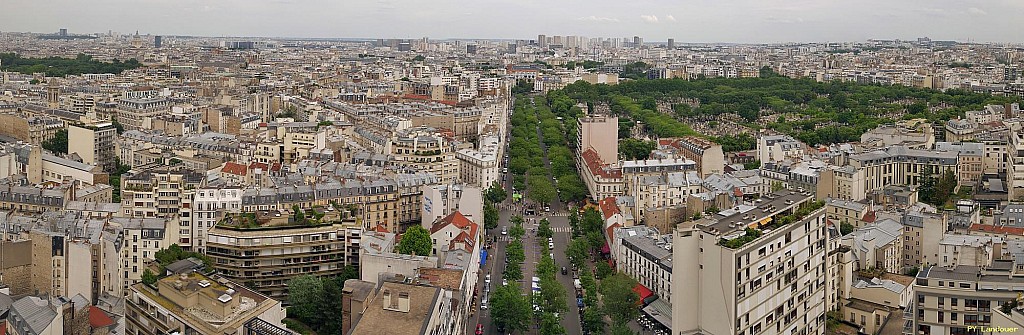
53 95
137 40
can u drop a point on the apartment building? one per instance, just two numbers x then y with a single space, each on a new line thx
708 155
602 179
1015 164
425 149
970 160
954 300
774 148
645 255
397 307
209 207
877 245
594 134
921 234
159 191
94 143
667 189
875 303
265 250
481 167
193 303
440 201
142 238
30 129
903 166
753 269
841 182
32 315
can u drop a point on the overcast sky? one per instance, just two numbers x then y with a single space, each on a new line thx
654 20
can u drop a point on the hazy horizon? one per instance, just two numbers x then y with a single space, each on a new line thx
687 21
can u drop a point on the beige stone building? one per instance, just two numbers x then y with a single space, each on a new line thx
267 249
772 282
191 303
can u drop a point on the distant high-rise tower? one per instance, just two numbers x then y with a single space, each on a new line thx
542 41
638 42
511 48
471 49
671 43
63 31
158 41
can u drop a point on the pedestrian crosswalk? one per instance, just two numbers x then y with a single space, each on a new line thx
562 229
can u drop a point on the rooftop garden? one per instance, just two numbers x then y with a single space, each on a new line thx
297 217
751 234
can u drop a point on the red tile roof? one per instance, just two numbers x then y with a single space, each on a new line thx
98 318
987 228
380 229
467 236
234 168
261 166
869 216
597 167
465 240
609 208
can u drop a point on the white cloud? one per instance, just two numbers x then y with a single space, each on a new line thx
976 11
597 19
650 18
670 18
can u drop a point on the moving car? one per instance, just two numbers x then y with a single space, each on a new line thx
564 271
504 230
479 329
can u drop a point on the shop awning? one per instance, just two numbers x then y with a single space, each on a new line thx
644 293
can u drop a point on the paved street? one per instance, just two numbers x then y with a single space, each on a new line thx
558 216
495 265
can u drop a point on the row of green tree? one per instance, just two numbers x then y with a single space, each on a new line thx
551 298
60 67
510 309
614 297
529 172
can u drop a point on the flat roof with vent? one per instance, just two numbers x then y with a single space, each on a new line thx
378 320
740 217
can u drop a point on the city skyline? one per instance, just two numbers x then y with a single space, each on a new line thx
702 21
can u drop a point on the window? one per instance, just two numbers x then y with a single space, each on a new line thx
942 317
920 299
952 301
965 285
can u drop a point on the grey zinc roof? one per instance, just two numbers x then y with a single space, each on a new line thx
846 204
879 234
35 313
883 283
